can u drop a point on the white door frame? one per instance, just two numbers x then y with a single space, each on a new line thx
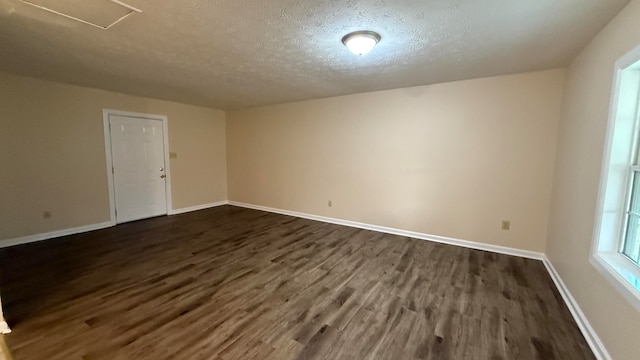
107 147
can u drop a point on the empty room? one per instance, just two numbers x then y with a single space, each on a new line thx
280 180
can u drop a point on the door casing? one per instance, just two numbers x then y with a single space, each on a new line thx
107 146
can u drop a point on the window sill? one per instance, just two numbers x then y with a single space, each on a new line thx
621 273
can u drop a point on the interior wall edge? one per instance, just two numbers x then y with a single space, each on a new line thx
587 330
388 230
597 346
4 243
54 234
197 207
585 327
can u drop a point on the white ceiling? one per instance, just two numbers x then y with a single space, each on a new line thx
231 54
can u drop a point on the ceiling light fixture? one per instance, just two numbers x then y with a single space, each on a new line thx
361 42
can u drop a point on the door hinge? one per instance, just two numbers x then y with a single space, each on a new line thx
116 210
113 171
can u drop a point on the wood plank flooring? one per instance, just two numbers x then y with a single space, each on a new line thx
232 283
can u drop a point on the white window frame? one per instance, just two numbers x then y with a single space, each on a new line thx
621 145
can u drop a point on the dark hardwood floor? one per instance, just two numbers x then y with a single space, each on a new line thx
231 283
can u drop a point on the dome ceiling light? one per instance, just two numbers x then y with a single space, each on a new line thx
361 42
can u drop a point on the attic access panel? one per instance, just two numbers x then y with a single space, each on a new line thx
99 13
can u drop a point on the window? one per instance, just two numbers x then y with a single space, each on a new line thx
616 245
631 239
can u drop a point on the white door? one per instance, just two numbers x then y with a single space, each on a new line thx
137 150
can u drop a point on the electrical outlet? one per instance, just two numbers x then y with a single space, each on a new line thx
330 203
46 214
506 225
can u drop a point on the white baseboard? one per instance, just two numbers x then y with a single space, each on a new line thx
436 238
588 332
80 229
197 207
54 234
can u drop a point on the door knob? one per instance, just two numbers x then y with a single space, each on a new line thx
163 176
161 169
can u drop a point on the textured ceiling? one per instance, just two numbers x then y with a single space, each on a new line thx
231 54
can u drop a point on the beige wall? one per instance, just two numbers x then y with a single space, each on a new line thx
53 157
5 354
575 187
452 159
